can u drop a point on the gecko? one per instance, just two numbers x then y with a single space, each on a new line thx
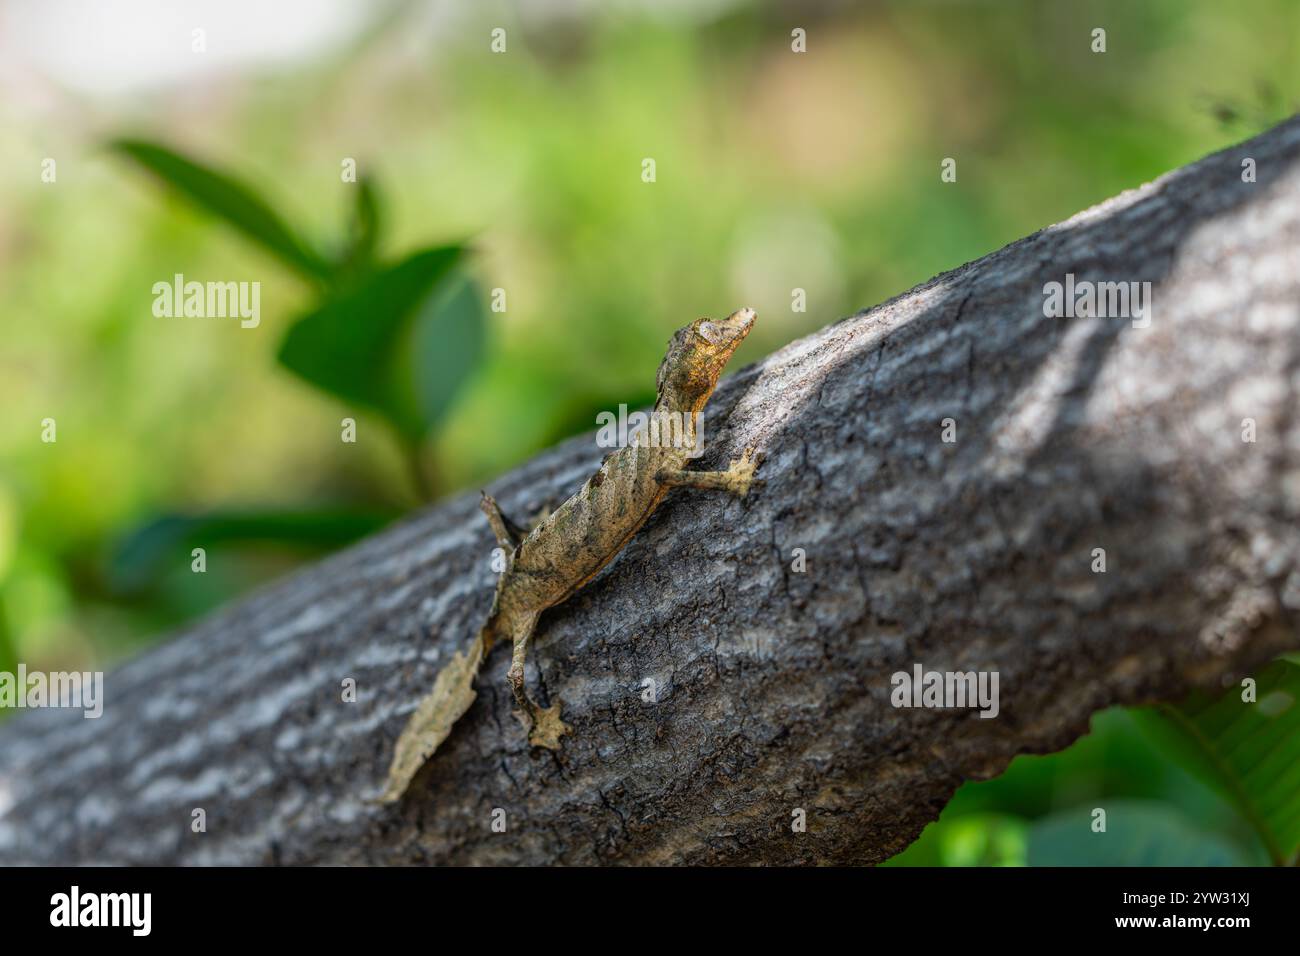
564 551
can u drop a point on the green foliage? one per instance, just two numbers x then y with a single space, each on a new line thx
8 654
146 553
1137 834
1117 768
399 339
226 197
402 341
977 839
363 239
1249 751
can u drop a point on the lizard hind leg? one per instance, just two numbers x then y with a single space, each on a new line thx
544 726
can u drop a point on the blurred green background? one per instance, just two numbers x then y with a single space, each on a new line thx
774 171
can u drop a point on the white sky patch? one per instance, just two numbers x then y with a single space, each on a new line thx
117 46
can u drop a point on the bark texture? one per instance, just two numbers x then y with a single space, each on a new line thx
773 685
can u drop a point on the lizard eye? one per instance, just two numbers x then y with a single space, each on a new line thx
709 332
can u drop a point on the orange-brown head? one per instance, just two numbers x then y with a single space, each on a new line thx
696 356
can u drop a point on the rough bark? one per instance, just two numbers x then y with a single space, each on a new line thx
773 685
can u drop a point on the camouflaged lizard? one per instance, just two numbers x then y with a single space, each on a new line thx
570 546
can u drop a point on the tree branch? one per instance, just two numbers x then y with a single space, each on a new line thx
773 685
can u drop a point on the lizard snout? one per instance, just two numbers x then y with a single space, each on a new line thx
738 324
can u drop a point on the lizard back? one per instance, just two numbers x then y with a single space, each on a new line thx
585 533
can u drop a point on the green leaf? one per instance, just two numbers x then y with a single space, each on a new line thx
977 839
401 342
359 255
147 551
1138 833
1249 752
446 345
228 198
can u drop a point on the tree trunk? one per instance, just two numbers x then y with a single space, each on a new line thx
771 685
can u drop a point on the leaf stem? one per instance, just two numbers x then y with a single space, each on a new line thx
415 465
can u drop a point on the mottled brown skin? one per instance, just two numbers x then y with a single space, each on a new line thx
571 545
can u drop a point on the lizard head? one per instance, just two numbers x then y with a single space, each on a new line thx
696 357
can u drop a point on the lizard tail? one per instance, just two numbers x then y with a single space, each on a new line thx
492 630
452 695
437 713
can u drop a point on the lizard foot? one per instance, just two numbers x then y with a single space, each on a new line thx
740 475
544 726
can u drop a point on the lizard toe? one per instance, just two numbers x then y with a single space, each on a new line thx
548 728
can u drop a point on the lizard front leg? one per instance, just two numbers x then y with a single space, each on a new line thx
738 479
508 534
